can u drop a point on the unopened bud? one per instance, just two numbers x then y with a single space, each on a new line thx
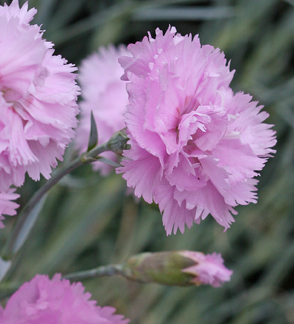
179 268
118 142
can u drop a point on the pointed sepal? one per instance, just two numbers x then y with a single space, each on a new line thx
93 138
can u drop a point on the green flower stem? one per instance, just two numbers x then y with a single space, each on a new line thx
17 235
103 271
7 288
164 268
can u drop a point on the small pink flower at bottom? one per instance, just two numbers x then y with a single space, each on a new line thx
7 207
45 301
208 269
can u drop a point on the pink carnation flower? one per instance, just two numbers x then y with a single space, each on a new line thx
37 99
7 207
105 94
45 301
209 269
195 145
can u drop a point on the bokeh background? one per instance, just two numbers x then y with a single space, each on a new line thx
89 221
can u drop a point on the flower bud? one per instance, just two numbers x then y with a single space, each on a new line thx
179 268
118 142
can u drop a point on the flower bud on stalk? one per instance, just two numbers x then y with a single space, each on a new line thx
118 142
180 268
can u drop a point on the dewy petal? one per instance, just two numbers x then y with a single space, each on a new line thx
201 144
38 97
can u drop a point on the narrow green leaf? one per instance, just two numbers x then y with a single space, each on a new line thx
4 267
93 138
28 224
107 161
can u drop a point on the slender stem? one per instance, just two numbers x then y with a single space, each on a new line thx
10 247
103 271
7 289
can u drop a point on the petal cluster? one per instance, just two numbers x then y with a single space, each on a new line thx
196 147
45 301
105 94
38 96
208 269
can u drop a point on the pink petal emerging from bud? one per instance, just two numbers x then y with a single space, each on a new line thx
208 269
177 268
105 94
45 301
7 207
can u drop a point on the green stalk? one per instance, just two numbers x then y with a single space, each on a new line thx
103 271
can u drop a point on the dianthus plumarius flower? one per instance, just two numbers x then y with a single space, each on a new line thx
45 301
7 206
38 96
196 147
104 93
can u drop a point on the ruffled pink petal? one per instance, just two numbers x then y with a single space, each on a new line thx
201 145
141 171
7 207
38 97
209 269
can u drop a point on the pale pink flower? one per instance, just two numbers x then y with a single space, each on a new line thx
7 207
37 99
195 145
208 269
105 94
45 301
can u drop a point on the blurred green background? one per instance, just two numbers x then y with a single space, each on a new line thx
89 221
